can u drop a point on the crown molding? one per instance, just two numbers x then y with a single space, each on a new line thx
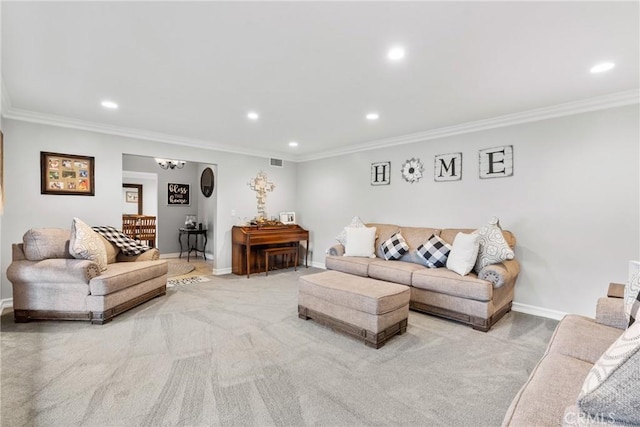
617 99
66 122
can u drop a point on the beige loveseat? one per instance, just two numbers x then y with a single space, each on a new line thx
479 300
48 283
549 396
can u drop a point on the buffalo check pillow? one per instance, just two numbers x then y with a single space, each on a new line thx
434 252
394 247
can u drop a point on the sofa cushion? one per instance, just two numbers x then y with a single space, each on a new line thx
611 387
449 234
360 241
342 236
464 252
86 244
574 331
435 252
394 247
112 250
551 388
415 236
353 265
445 281
394 271
125 274
46 243
493 246
632 293
383 232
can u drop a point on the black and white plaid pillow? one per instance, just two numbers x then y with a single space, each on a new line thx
394 247
435 252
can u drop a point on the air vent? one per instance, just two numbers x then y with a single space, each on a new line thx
276 163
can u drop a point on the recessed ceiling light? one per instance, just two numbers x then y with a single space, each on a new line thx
253 115
600 68
109 104
293 144
373 116
396 53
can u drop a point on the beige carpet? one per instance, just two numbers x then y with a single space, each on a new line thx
232 351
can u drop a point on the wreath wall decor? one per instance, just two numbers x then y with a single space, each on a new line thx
412 170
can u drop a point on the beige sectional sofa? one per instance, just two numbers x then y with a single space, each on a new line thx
48 283
479 300
549 396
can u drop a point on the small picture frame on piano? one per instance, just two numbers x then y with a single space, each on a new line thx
288 217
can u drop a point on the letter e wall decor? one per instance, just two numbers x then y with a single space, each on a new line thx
496 162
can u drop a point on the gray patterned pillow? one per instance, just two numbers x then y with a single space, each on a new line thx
632 293
611 387
86 244
493 247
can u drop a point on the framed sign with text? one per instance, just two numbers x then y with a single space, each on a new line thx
178 194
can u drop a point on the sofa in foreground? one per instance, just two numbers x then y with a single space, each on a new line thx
49 283
557 392
477 299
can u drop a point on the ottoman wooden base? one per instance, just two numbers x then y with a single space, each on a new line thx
371 339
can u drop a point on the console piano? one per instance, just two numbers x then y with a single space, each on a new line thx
248 240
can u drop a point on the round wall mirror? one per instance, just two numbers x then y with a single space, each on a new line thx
207 182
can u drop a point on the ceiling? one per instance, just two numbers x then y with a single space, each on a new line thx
189 72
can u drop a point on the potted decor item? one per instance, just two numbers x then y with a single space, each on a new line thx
190 222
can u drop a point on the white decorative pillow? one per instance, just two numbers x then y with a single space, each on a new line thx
493 247
464 253
632 293
394 247
356 222
360 242
611 387
86 244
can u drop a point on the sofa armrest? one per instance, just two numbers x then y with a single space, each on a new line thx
501 273
616 290
150 255
57 270
610 312
336 250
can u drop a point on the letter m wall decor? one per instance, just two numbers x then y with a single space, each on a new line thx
496 162
448 167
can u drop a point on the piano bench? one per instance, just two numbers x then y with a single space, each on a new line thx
285 251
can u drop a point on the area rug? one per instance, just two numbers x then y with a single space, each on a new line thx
179 269
182 281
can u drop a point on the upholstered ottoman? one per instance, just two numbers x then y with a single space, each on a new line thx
370 309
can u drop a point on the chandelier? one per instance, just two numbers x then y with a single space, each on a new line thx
170 164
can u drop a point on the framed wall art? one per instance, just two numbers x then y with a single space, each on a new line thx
67 174
178 194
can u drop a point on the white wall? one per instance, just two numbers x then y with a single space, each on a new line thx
573 202
27 208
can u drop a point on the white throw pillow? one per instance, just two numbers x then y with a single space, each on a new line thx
86 244
464 252
356 222
360 241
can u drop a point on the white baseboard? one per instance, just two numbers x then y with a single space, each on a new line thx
317 264
538 311
221 271
174 255
5 303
